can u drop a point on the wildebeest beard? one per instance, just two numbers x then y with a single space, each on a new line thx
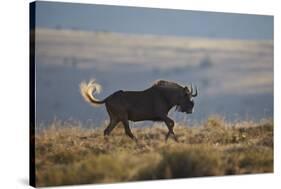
182 108
179 108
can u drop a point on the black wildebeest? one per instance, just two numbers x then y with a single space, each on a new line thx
152 104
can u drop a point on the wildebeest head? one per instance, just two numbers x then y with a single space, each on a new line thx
186 102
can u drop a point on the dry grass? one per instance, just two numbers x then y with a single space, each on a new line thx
68 154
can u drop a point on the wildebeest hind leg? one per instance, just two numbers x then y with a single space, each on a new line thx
128 130
110 127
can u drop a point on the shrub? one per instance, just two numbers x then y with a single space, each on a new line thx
183 162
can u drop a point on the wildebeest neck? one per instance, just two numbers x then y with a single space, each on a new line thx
170 97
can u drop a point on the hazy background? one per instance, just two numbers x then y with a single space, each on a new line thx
228 56
138 20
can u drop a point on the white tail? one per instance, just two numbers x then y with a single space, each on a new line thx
87 90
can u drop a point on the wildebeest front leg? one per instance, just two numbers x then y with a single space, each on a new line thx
128 130
170 124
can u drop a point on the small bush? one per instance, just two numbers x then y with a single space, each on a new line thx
184 162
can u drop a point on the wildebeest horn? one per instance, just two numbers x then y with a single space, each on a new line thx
196 93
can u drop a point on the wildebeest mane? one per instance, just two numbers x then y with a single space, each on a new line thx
166 84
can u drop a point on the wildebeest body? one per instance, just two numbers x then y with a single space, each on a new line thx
149 104
152 104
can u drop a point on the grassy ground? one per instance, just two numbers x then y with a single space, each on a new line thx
68 154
